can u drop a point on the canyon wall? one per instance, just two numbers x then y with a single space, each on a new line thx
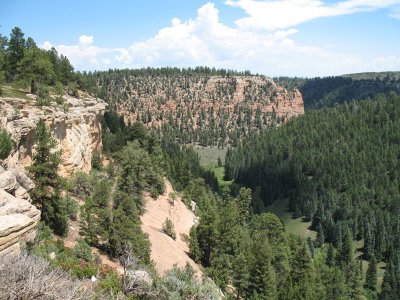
76 127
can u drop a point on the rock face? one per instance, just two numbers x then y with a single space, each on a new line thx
18 217
76 127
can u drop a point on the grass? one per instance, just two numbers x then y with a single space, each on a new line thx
9 91
219 174
209 155
294 226
380 265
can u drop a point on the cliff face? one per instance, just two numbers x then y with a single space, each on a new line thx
18 217
77 130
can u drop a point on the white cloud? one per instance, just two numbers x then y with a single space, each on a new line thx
205 40
280 14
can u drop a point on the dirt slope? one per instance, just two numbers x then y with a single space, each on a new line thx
165 252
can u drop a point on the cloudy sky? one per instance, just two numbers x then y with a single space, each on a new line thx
271 37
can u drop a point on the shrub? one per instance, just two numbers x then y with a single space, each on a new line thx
168 228
72 208
96 160
82 251
30 277
82 185
111 284
6 144
43 96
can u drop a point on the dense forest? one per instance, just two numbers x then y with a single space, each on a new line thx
196 106
339 169
331 91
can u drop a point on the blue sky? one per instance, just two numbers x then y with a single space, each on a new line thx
271 37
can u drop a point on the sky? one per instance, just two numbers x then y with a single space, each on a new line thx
271 37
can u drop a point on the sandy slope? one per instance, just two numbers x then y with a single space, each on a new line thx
165 252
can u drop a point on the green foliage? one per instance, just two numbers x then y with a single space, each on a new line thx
168 228
331 91
126 227
82 251
6 144
139 173
111 284
35 68
370 279
46 194
342 176
72 207
96 160
182 284
23 63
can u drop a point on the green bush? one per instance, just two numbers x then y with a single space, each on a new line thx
111 284
72 208
168 228
6 144
96 160
43 96
84 270
82 251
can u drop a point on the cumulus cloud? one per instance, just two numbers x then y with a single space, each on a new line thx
205 40
280 14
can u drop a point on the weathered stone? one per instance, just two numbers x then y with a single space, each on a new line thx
8 181
76 130
18 222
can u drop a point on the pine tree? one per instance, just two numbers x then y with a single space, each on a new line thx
263 277
370 279
46 194
320 236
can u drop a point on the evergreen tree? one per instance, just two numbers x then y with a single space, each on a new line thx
370 279
46 194
15 50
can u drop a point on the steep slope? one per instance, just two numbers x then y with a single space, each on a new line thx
166 252
208 109
334 90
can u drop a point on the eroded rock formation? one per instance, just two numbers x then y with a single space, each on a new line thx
76 127
18 217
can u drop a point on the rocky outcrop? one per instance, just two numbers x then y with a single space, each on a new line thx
18 217
75 125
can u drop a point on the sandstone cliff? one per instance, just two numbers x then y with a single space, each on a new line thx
76 127
18 217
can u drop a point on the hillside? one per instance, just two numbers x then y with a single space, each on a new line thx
339 168
331 91
198 108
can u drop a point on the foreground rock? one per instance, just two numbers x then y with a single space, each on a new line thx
18 217
76 126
